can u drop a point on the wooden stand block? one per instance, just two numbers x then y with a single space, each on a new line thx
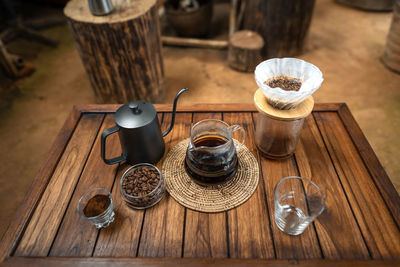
121 52
391 55
244 51
372 5
282 24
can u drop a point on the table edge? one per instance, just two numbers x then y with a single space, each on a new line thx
238 107
107 261
24 212
372 163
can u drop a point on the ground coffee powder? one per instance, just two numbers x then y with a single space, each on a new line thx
285 82
96 205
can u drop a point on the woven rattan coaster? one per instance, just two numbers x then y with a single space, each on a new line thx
214 198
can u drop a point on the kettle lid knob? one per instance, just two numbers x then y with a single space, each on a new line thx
134 107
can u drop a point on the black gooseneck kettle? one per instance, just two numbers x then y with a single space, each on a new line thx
139 133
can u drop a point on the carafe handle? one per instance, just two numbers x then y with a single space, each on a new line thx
242 133
103 146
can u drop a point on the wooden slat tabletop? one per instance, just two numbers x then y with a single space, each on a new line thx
360 225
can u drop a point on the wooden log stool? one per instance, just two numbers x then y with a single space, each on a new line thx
282 24
372 5
121 52
391 54
244 52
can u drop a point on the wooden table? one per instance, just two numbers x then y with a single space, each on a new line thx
360 226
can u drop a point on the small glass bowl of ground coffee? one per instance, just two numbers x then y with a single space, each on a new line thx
97 207
142 186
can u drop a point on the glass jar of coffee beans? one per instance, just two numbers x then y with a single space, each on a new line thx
142 186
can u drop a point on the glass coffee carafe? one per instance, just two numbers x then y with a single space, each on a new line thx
211 156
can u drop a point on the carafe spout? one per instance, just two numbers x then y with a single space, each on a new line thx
173 111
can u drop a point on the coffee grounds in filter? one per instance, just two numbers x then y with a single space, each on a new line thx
286 83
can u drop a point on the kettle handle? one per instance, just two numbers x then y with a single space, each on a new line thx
103 146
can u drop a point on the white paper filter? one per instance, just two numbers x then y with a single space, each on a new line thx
309 74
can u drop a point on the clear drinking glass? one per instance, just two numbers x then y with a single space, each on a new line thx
298 201
101 196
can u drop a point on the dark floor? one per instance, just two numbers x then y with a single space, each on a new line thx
344 43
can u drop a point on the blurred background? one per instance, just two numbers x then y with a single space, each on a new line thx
42 77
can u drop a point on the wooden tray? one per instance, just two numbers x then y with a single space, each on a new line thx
360 226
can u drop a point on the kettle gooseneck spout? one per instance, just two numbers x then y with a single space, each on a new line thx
173 111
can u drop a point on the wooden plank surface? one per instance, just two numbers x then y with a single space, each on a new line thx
238 107
76 236
45 221
95 262
249 234
378 173
24 212
338 232
304 246
180 108
205 233
163 227
121 238
376 222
